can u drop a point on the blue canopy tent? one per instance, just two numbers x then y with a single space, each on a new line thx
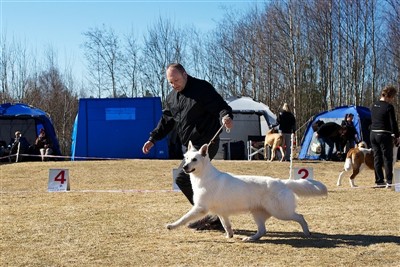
362 121
116 128
28 120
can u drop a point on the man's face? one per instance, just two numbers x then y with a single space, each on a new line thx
176 79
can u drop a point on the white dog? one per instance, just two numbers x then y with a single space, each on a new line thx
223 194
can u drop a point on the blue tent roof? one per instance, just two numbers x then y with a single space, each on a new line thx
362 120
28 120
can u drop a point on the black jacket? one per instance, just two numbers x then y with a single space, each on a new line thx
287 122
384 118
329 130
196 112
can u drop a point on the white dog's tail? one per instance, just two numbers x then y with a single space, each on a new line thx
306 187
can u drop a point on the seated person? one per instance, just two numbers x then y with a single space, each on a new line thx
18 145
3 149
332 134
43 145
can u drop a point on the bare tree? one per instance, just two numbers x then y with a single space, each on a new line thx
163 44
393 40
103 55
50 93
130 67
4 68
15 68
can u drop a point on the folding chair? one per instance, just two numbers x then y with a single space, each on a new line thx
255 146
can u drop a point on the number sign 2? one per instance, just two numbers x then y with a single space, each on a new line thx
58 180
303 173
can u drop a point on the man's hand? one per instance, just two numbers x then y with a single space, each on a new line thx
147 146
397 141
227 121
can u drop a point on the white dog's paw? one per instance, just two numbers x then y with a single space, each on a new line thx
170 226
338 184
229 235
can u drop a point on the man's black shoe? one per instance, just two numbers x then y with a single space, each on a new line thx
207 223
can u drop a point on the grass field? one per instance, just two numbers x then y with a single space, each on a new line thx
116 211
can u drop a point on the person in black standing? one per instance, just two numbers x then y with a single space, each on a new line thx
383 128
287 126
351 132
196 110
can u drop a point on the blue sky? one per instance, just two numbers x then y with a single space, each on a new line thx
59 24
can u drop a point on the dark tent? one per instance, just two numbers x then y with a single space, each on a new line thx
28 120
117 128
362 121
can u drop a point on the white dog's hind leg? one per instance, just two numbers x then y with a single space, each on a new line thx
226 223
300 219
297 218
194 213
260 217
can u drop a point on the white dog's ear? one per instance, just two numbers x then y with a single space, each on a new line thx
204 150
190 145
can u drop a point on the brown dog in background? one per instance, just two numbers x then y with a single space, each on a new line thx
274 140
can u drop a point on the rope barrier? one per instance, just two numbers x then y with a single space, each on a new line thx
163 190
172 191
18 155
98 191
59 157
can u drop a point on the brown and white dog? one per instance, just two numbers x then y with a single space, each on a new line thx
274 140
359 157
356 159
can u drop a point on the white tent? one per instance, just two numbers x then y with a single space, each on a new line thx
251 118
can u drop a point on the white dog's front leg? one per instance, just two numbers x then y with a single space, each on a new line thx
226 223
194 213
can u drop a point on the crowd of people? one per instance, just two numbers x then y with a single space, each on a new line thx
19 147
384 134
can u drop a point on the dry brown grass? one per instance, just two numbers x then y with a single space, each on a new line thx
351 227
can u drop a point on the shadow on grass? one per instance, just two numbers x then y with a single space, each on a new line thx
320 240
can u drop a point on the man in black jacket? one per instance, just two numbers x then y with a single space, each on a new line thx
195 108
